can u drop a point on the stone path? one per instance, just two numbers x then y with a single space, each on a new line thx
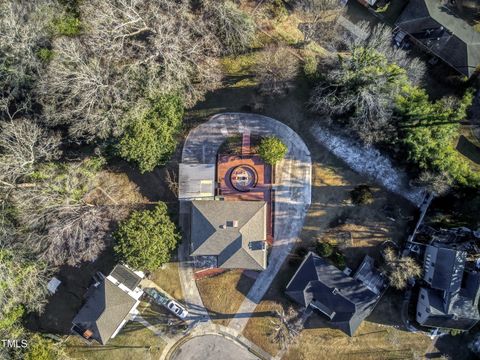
292 195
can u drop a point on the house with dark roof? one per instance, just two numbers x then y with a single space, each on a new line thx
343 299
451 298
110 303
437 26
232 232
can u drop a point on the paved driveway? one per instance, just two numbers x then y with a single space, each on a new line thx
292 191
212 347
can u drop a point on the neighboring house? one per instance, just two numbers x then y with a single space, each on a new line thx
110 303
196 181
233 232
436 26
345 300
451 300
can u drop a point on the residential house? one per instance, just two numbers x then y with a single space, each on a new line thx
451 298
437 27
343 299
232 232
110 303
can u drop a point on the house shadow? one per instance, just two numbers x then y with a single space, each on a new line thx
468 149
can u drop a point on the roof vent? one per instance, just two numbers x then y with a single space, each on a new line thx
335 291
232 223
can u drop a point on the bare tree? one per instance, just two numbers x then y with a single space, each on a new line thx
234 28
276 68
62 223
284 327
400 269
436 183
129 49
321 23
359 88
88 93
23 143
23 30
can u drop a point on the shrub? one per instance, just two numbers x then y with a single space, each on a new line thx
40 348
278 9
324 249
146 239
272 150
310 68
150 138
45 54
361 195
338 259
68 25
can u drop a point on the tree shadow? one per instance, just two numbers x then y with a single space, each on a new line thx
66 302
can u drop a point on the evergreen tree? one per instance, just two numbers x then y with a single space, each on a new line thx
147 238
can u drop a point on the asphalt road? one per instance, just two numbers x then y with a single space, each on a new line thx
212 347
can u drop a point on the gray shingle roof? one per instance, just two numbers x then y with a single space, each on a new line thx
452 300
345 300
106 307
443 267
235 247
459 45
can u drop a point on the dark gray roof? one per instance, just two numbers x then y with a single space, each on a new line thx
452 300
196 181
232 231
126 276
443 267
106 307
458 311
345 300
457 43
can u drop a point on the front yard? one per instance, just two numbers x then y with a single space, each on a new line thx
222 294
135 342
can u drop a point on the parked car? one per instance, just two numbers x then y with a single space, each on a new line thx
177 309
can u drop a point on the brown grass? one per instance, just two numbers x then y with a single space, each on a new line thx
222 294
169 280
134 342
371 341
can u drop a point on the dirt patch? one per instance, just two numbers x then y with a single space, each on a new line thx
223 294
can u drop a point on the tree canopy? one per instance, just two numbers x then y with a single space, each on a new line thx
147 238
151 135
428 131
272 150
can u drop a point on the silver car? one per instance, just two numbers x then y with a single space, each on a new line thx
177 309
